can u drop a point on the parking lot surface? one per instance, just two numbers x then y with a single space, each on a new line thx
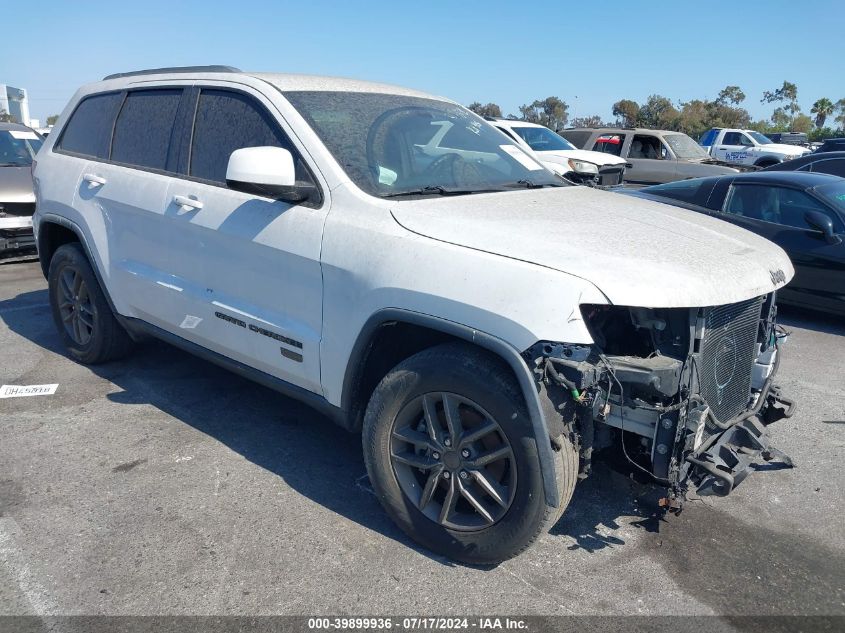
164 485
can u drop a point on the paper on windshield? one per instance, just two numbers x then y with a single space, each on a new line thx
24 135
521 157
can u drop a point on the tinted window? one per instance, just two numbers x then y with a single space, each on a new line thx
694 191
227 121
610 144
578 138
779 205
143 128
833 166
732 138
89 130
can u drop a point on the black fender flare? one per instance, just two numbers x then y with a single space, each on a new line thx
493 344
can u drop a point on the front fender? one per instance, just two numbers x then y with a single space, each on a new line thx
505 351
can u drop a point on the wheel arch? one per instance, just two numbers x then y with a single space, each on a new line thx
393 334
55 231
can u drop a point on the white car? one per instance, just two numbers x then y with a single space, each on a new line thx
748 147
561 156
391 259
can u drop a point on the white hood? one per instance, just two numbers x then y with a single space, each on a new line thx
781 148
561 157
637 252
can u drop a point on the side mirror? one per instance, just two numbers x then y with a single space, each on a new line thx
822 222
266 171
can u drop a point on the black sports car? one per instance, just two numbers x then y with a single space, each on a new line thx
832 163
804 213
831 145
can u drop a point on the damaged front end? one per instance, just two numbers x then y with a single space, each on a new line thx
687 392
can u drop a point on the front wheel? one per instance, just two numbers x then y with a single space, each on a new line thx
451 455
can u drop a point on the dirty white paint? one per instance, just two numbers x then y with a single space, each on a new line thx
20 391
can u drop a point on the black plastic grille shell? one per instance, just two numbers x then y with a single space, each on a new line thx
9 209
610 176
726 356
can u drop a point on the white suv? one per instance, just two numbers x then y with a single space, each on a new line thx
562 157
391 259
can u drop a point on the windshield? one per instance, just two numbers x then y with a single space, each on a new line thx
393 145
759 138
684 147
18 147
542 139
833 193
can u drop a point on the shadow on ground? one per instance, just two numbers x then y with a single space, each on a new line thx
309 452
790 316
322 461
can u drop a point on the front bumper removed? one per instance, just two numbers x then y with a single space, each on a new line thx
725 459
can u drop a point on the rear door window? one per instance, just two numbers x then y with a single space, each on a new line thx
88 132
833 166
610 144
225 121
144 128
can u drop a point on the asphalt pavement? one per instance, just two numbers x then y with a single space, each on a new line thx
163 485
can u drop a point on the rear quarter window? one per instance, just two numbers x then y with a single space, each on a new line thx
88 132
693 191
578 138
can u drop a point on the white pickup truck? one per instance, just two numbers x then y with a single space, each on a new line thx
747 147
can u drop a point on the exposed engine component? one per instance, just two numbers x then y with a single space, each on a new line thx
695 384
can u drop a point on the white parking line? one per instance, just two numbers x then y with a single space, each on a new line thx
14 561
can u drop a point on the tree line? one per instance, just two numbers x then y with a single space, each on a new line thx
693 117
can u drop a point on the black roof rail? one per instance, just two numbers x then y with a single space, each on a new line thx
175 69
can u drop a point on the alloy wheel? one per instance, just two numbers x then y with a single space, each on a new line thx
76 306
453 461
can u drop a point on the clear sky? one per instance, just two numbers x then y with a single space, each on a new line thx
506 52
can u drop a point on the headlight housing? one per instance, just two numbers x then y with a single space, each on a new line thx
583 167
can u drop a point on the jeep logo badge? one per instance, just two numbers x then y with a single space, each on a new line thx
778 277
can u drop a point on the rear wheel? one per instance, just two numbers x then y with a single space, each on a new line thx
451 455
82 315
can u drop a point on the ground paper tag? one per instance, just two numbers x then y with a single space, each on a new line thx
18 391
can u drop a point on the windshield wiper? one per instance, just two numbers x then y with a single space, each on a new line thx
432 190
530 184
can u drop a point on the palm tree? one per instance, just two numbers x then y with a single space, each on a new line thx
822 108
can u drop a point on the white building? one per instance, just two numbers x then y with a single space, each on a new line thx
14 101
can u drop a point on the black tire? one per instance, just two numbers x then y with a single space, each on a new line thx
80 310
483 384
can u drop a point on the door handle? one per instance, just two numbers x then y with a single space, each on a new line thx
93 180
187 203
